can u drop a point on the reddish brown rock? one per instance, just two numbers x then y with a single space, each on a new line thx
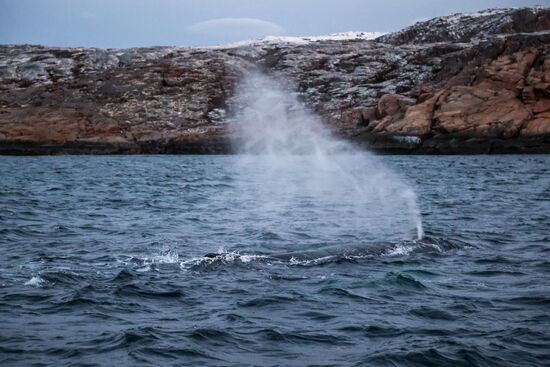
540 106
417 120
38 124
540 126
391 104
480 112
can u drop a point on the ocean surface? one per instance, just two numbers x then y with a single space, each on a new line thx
102 263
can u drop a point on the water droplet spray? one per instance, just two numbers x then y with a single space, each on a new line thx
290 160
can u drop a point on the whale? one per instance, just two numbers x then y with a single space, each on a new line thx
427 244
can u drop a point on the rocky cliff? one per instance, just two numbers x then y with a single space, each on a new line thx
466 83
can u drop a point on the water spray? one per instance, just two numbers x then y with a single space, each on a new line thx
298 165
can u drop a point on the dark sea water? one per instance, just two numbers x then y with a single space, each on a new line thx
101 263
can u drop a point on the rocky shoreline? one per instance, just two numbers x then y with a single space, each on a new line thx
463 84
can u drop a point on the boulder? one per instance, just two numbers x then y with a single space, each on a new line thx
540 126
391 104
417 120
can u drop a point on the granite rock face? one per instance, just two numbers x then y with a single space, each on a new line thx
477 83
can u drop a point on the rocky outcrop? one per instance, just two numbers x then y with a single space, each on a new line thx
476 83
468 27
113 101
499 103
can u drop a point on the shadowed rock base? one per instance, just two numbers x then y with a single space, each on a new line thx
220 146
378 144
388 145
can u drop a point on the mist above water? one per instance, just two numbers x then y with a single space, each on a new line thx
291 167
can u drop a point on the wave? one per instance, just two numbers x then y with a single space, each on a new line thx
433 357
49 278
294 337
139 291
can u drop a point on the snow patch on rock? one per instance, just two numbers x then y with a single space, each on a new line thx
290 40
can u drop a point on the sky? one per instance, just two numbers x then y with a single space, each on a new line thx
135 23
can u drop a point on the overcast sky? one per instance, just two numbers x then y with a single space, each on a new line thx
129 23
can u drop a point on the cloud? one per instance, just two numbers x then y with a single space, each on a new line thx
235 28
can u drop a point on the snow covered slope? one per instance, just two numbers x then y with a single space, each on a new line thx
289 40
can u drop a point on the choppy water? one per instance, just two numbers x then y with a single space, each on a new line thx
101 263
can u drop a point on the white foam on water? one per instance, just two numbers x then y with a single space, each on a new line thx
400 250
145 263
223 257
35 281
168 257
308 262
